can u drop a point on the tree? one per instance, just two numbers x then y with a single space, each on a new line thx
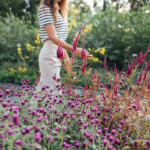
19 8
81 6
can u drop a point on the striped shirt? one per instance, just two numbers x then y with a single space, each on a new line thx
45 17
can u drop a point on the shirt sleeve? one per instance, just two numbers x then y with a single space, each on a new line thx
45 16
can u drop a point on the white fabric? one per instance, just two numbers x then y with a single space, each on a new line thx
49 64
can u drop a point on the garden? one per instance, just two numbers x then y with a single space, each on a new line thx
105 99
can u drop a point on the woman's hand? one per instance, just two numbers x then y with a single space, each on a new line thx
78 52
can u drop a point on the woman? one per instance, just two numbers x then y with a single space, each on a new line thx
52 15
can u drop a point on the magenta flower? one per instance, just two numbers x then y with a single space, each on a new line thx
6 116
83 68
16 120
141 75
149 83
77 38
7 91
145 72
142 57
54 77
115 69
60 51
49 138
116 90
105 66
83 54
38 137
19 142
1 95
129 70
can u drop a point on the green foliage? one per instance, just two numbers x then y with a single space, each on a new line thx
122 34
20 8
14 31
16 77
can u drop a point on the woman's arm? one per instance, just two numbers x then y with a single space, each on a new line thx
53 37
65 54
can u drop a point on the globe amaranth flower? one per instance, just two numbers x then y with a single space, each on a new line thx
7 91
19 142
38 137
16 120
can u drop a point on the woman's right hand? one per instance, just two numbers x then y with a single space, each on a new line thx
78 52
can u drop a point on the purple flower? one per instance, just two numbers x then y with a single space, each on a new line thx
142 57
60 51
1 95
105 142
99 131
4 104
38 137
65 114
105 66
111 138
104 118
113 131
122 122
16 120
39 119
3 137
27 129
148 143
19 142
5 116
77 144
49 138
7 91
83 68
83 54
64 129
85 126
2 126
149 83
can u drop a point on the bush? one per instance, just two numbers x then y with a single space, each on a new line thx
14 32
121 34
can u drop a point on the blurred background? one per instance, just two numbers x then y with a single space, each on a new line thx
118 28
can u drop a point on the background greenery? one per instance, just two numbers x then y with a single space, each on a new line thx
117 34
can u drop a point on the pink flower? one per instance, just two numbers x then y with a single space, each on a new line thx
83 54
141 75
16 120
85 88
77 38
142 57
115 69
37 137
129 70
105 66
83 68
19 142
7 91
149 83
54 77
60 51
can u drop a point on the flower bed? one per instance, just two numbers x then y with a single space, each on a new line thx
108 120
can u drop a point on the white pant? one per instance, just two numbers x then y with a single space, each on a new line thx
49 65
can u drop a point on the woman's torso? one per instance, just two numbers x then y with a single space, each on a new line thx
61 26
